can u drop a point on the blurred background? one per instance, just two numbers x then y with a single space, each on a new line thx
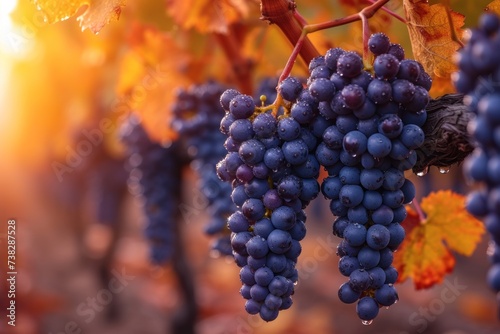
79 228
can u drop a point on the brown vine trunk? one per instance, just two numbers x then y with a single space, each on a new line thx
447 141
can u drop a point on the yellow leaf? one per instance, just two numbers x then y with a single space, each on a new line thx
96 16
431 35
207 15
425 255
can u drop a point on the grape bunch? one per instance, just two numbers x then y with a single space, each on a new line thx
375 130
155 176
197 113
363 129
108 184
479 78
271 165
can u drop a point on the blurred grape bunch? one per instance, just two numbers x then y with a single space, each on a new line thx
197 113
156 177
108 188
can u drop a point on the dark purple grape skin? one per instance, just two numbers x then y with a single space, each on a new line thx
378 43
349 65
397 51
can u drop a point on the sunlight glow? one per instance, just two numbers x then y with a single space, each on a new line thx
6 25
6 31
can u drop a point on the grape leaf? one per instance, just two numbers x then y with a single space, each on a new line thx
494 6
207 15
425 255
95 17
431 36
151 74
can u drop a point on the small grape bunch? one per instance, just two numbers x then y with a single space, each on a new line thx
271 165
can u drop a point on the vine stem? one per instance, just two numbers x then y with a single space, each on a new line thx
283 13
302 41
418 209
390 12
241 66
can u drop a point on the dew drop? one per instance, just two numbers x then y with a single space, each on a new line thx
367 322
423 172
444 170
387 307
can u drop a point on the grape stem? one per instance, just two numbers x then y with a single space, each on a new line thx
420 212
390 12
302 44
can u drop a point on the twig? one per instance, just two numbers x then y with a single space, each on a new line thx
390 12
242 67
283 13
420 212
363 15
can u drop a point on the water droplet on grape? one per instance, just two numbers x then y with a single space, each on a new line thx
367 322
444 170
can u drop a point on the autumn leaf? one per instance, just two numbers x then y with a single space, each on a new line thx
431 36
425 256
96 16
494 6
207 15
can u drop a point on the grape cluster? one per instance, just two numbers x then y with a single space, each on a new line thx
155 176
363 129
479 78
196 117
375 129
272 168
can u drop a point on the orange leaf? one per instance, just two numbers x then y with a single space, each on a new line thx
431 35
150 76
494 6
96 16
207 15
425 255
